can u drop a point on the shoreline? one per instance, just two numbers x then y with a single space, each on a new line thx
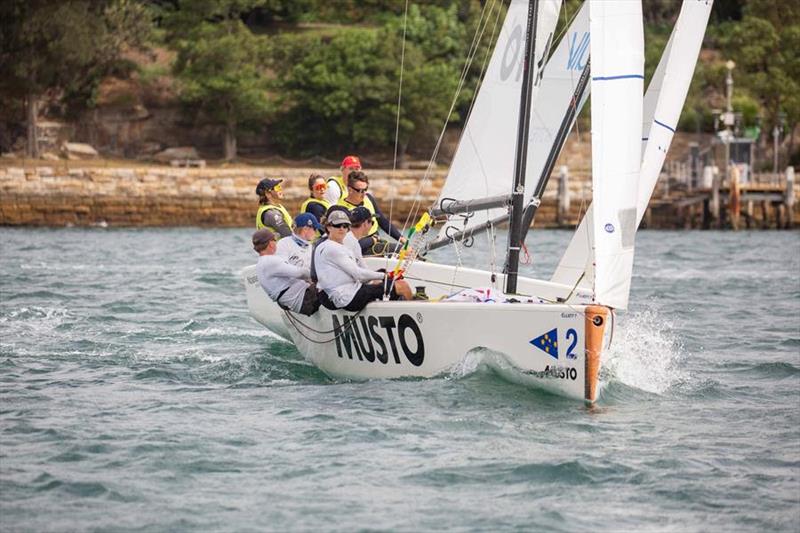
118 195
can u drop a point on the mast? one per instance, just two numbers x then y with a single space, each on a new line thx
521 158
555 150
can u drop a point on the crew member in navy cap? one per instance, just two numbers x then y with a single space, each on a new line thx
371 244
297 246
271 214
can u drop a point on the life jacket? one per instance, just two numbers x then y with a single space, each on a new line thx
370 207
304 206
340 182
284 213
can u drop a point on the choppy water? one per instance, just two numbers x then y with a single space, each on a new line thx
136 394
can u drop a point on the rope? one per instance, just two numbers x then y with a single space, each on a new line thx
293 321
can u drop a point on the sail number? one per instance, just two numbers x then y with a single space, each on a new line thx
572 338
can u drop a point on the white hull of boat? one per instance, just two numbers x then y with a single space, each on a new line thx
554 346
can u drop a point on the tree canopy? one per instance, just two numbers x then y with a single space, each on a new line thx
322 76
58 46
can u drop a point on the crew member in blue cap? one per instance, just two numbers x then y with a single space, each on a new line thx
271 214
297 246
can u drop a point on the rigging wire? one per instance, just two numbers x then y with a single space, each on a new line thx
483 22
397 126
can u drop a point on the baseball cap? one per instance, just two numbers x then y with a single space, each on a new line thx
267 184
360 214
307 219
338 217
337 207
351 161
262 238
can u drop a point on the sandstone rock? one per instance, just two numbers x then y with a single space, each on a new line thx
177 153
148 149
50 156
79 151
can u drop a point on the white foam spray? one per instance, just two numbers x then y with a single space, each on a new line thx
645 353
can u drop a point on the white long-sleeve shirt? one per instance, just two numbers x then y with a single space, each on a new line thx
296 250
275 274
339 273
333 192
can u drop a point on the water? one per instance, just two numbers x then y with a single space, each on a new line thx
136 394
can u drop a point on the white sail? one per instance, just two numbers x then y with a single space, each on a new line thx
560 78
661 110
483 165
617 52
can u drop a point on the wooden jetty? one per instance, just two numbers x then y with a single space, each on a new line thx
765 201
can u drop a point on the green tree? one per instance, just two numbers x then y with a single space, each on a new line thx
764 47
220 66
47 46
344 84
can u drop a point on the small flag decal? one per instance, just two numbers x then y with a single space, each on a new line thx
548 343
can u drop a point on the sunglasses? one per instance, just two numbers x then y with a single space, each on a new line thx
358 224
344 225
277 188
360 191
320 187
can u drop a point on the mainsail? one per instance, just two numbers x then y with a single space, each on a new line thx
483 164
661 110
617 52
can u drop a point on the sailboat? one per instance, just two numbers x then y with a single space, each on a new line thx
546 333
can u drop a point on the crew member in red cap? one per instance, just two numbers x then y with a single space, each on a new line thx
271 214
357 196
337 185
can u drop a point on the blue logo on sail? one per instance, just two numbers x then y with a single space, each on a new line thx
609 228
548 343
577 50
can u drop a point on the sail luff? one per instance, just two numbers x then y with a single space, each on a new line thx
617 52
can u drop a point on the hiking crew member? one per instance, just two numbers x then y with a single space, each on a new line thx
337 185
316 203
347 284
349 241
286 284
357 196
296 248
371 245
271 214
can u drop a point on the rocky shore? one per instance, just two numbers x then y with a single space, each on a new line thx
84 194
162 196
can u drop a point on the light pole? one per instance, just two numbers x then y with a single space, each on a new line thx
777 130
729 119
